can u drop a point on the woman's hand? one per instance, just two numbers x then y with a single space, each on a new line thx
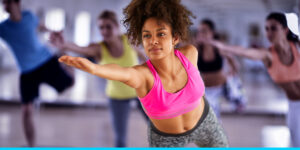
57 40
79 63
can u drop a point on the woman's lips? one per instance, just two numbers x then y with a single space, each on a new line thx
154 49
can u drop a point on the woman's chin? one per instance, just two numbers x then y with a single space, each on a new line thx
155 57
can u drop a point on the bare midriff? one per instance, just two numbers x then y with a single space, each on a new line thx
182 123
292 90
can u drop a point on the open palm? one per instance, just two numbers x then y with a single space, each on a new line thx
79 62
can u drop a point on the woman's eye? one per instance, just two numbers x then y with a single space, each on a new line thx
161 34
146 36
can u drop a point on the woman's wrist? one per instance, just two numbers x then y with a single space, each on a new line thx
64 47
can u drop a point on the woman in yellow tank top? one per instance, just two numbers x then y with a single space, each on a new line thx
114 49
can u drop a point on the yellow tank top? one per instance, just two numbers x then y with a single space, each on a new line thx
116 89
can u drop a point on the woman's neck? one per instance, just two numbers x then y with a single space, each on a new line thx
166 66
114 42
283 46
285 52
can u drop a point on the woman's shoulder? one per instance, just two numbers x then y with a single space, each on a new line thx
146 74
95 46
142 68
190 52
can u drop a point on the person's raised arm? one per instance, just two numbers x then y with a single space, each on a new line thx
92 50
127 75
251 53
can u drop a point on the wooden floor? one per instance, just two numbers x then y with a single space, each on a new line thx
91 127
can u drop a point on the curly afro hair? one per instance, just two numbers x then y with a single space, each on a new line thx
168 11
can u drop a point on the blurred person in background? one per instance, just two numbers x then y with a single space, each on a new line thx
34 59
282 61
114 49
211 64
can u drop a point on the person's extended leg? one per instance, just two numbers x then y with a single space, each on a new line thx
293 121
120 114
29 84
28 124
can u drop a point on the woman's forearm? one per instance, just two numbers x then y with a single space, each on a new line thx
250 53
86 51
112 72
127 75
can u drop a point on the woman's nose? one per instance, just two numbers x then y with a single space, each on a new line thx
154 40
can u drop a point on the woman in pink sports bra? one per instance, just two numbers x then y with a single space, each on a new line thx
283 63
169 84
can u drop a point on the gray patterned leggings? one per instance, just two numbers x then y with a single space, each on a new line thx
207 133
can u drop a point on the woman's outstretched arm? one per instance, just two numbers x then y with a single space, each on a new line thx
127 75
251 53
92 50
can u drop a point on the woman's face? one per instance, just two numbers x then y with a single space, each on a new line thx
157 39
108 29
205 32
275 31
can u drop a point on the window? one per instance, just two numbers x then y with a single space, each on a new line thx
82 28
55 19
3 14
292 20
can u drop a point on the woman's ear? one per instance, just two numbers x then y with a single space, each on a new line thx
175 40
287 30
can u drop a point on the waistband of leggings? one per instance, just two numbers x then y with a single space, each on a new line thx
204 114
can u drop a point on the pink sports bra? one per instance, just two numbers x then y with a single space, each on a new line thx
281 73
159 104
